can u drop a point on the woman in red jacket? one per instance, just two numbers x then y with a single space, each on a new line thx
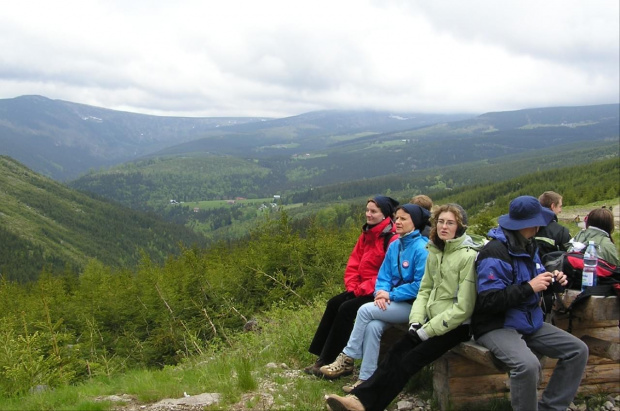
359 280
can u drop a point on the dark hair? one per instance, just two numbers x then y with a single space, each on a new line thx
601 218
461 221
386 204
420 216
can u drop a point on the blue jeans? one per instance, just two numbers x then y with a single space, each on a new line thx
365 338
515 350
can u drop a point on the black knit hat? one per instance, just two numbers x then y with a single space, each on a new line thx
387 205
419 215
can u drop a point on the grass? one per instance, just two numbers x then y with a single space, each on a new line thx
261 369
239 372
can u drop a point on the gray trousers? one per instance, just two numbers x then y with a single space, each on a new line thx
515 350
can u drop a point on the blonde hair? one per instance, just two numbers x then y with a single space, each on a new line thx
423 201
548 198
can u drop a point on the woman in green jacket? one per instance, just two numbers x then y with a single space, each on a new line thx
599 226
439 318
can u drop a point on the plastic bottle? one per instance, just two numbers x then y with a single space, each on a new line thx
588 278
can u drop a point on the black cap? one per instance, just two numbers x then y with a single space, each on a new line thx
387 205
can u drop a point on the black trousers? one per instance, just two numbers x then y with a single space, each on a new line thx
401 362
336 325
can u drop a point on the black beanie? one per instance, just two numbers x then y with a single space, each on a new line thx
419 215
387 205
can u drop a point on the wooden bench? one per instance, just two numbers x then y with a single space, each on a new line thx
470 373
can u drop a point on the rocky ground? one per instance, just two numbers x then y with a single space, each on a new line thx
263 399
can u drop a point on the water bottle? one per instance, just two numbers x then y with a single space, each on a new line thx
588 278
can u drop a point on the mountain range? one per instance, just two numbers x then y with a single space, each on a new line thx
63 140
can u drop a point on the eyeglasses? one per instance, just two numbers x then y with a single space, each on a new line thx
449 223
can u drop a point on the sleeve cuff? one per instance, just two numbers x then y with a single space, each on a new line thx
422 334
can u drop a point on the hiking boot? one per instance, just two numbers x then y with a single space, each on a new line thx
348 388
315 369
348 403
342 366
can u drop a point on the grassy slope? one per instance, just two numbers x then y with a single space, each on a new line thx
236 367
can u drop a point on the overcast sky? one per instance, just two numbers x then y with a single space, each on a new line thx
282 58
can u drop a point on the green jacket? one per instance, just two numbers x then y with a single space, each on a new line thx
604 247
447 292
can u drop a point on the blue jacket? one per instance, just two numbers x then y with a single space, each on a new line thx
505 299
409 253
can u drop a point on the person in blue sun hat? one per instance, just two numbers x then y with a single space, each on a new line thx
508 318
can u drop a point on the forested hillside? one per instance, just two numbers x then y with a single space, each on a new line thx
45 226
107 319
151 184
309 157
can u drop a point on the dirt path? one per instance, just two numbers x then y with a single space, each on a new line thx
570 214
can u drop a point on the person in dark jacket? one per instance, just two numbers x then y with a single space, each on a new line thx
508 319
553 236
360 276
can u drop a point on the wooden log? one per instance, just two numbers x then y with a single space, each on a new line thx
471 374
593 308
453 381
602 348
479 354
611 332
460 366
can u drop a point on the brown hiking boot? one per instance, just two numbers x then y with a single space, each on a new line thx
348 403
350 387
314 369
342 366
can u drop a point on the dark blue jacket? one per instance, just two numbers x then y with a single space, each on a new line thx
505 299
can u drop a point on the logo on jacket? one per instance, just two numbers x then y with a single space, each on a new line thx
405 264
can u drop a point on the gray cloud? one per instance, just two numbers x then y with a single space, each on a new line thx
279 58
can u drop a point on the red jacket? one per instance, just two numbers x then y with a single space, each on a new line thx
366 258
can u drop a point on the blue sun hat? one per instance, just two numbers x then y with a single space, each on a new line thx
525 212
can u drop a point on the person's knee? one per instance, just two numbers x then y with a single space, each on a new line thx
365 312
581 349
375 329
529 366
334 303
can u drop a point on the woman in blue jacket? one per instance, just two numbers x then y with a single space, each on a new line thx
396 288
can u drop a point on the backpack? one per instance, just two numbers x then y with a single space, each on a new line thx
571 263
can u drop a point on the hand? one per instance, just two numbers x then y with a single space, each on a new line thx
382 303
382 294
382 299
541 282
561 278
413 327
413 335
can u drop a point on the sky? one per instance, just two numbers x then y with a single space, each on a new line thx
280 58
